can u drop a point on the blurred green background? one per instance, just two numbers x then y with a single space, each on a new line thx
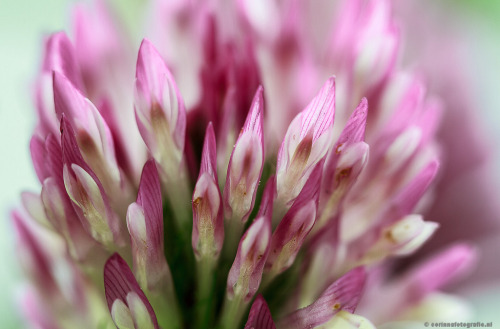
24 23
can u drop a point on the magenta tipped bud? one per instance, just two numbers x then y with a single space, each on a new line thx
90 201
127 303
245 165
208 223
145 224
59 57
350 154
295 226
260 316
159 108
350 164
92 134
306 142
343 294
246 272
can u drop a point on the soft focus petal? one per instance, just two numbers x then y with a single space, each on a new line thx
123 293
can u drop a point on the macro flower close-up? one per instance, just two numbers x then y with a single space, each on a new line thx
254 164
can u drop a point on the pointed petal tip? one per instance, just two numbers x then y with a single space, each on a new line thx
150 63
363 105
260 315
255 117
349 288
209 153
210 128
146 45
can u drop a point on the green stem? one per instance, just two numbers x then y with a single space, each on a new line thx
233 229
205 292
232 312
279 211
267 279
180 200
167 310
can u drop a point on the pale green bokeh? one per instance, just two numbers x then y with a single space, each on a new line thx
23 24
22 27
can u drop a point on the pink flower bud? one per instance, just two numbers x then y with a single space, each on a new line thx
59 57
208 223
355 159
245 164
306 142
145 224
246 272
127 303
87 193
159 109
91 131
294 227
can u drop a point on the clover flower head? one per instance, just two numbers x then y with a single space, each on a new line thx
262 170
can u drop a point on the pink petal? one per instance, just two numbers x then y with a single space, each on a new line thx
156 91
60 57
34 310
207 203
150 199
354 130
296 225
255 118
95 50
246 272
318 116
119 282
72 157
145 225
33 256
37 150
246 164
69 100
260 316
408 197
55 199
209 155
343 294
441 269
306 142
